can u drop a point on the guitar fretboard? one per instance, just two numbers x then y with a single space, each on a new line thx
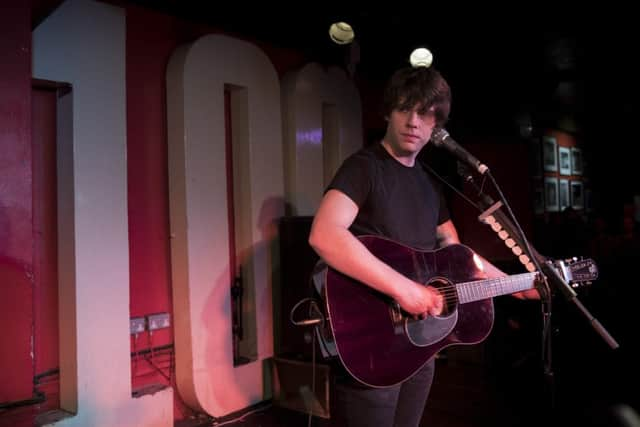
489 288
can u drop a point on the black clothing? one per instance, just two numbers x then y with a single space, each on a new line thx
395 201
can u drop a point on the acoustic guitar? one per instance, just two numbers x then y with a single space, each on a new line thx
380 345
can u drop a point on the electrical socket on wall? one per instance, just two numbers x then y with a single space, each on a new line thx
158 321
137 325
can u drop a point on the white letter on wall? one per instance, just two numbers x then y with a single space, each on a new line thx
196 78
83 42
322 126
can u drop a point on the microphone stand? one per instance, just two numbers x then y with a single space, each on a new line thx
488 206
549 274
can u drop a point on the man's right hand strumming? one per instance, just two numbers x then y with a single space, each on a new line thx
420 301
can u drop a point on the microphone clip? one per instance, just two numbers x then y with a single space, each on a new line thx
441 138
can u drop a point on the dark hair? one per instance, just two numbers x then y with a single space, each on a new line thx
422 86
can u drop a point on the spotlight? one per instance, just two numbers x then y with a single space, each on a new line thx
341 33
421 57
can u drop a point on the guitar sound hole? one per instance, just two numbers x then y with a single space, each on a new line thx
448 291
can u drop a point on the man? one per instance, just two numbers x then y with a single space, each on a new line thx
381 190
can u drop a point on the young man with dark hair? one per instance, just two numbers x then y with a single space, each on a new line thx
381 190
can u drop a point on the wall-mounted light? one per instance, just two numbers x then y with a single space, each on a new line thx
341 33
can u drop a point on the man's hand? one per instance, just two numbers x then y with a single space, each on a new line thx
421 301
528 294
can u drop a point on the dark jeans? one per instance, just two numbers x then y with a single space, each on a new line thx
355 405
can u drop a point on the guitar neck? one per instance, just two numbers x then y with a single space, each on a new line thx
489 288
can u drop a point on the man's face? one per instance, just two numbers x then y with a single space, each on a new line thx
409 130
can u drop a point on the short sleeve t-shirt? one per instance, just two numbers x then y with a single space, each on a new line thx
395 201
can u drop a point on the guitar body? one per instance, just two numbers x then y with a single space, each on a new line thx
380 347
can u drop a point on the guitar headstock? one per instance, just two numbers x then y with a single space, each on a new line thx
577 272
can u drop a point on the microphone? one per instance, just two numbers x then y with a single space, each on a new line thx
441 138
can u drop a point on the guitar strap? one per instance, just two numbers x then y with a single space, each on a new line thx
323 330
316 316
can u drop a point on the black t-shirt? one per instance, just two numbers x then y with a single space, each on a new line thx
395 201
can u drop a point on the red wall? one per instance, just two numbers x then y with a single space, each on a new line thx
148 53
16 255
147 56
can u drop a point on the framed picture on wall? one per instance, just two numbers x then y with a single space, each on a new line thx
564 160
549 154
576 161
563 194
551 199
577 195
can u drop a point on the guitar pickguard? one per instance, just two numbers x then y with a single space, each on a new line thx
431 330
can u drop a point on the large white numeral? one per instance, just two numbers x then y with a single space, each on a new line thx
83 42
196 79
323 125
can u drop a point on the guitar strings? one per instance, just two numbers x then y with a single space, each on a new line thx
451 293
477 289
